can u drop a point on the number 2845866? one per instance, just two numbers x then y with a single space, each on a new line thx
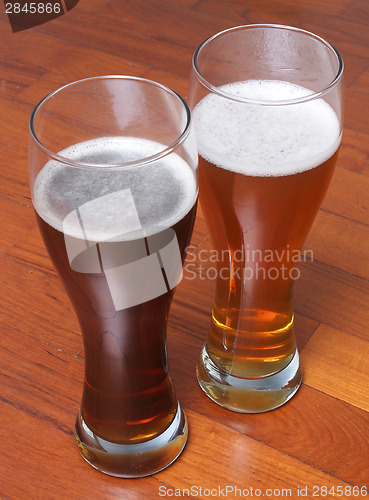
33 8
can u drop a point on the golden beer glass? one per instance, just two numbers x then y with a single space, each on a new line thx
267 111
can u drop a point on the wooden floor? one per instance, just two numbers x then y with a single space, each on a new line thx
319 441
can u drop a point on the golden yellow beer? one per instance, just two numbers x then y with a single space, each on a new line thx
251 331
263 173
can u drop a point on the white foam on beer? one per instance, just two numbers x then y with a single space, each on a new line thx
163 191
262 140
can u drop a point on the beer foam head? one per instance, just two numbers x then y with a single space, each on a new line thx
112 204
262 140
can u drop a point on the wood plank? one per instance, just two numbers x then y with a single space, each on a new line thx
330 7
75 63
354 66
17 76
240 13
92 6
333 297
365 171
323 421
362 83
354 150
14 174
43 381
266 467
49 465
163 20
46 383
357 12
62 462
349 38
14 130
28 48
335 362
348 196
31 250
357 102
138 46
19 218
49 316
340 242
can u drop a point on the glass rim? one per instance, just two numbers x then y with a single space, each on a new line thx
96 166
265 102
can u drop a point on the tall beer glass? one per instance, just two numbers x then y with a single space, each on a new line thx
113 170
266 105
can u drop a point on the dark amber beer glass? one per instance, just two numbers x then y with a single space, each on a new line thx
113 172
266 105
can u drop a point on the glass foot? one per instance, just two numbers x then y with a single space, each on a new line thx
248 395
133 460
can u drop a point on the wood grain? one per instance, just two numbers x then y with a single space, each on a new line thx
253 463
331 355
49 461
19 219
349 252
348 195
320 438
334 297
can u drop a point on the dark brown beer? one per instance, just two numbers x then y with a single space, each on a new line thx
263 173
128 396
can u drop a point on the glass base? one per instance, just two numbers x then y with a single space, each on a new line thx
248 395
133 460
